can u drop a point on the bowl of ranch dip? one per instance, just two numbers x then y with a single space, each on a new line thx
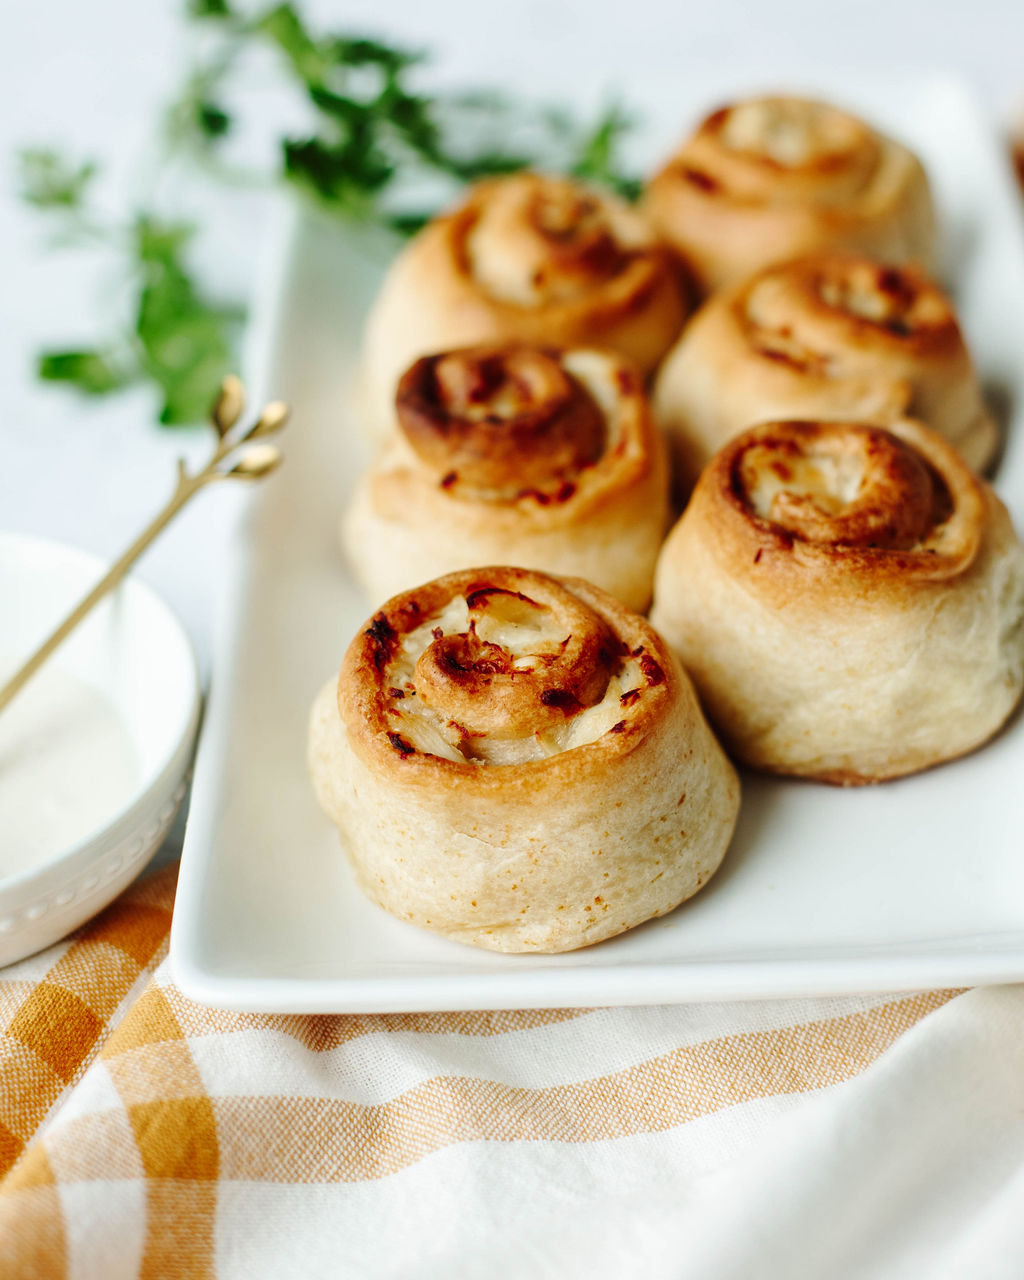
94 751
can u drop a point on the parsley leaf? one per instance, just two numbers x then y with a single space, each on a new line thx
372 132
376 144
180 341
598 154
93 372
49 181
186 341
213 120
209 9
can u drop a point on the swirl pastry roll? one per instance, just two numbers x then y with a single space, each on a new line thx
848 599
832 337
518 762
773 178
515 455
526 258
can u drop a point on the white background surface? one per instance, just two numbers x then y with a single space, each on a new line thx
92 77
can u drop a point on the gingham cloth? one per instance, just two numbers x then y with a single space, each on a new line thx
144 1135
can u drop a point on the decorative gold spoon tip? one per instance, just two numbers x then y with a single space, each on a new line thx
234 457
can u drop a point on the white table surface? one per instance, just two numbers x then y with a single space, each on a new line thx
91 78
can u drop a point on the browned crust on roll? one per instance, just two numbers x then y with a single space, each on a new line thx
509 454
488 273
582 794
625 288
771 178
848 599
363 682
745 538
839 300
836 336
511 499
490 415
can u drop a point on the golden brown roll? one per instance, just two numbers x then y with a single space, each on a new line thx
832 337
774 178
519 763
526 258
515 455
848 599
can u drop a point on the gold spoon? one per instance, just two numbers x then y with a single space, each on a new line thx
225 463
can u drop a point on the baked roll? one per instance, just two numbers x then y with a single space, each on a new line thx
519 763
848 599
773 178
515 455
526 258
831 337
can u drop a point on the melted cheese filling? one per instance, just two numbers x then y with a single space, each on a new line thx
793 134
831 481
525 633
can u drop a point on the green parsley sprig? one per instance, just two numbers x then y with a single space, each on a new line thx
375 142
178 339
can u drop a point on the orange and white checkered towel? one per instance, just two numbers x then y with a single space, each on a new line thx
144 1135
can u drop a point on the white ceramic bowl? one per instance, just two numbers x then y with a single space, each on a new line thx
134 652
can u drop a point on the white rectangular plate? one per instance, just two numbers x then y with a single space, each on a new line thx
918 883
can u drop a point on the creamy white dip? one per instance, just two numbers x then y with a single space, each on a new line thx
67 765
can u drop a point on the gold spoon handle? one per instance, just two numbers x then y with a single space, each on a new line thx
107 583
255 463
